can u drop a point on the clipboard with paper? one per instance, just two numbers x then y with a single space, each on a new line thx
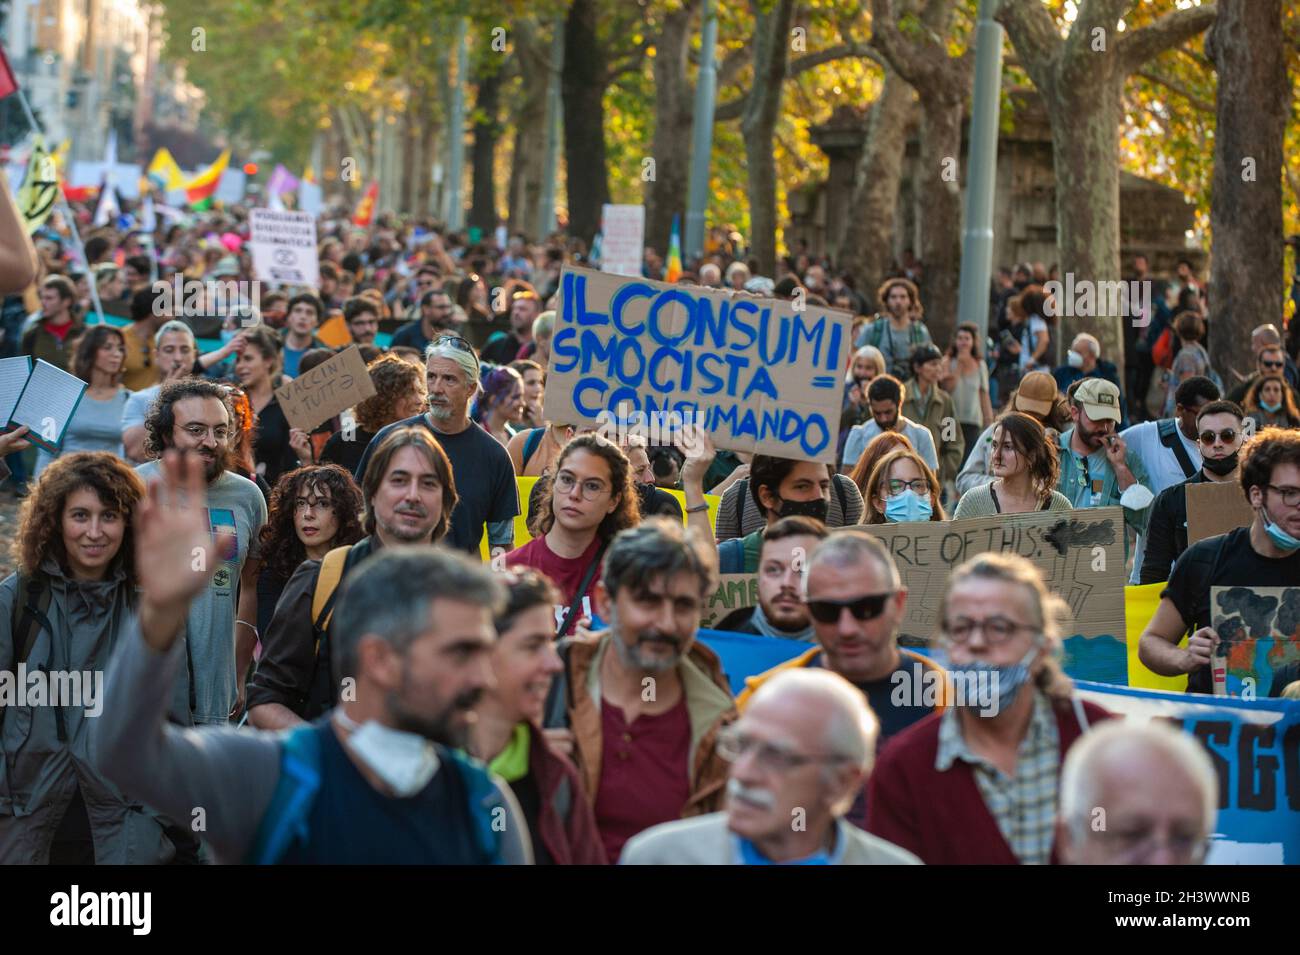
46 404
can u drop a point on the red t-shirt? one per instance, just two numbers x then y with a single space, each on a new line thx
644 776
59 331
565 572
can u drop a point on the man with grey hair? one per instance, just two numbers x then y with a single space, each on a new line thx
377 780
710 275
644 700
485 478
1136 795
1084 360
799 756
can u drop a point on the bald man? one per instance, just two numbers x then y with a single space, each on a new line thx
1136 795
799 755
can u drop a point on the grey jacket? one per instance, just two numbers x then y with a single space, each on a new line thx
231 774
705 840
40 773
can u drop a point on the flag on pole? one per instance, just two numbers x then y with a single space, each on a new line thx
40 186
366 207
148 217
109 208
674 267
282 181
163 171
201 188
8 85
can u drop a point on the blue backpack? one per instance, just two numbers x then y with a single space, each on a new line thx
286 817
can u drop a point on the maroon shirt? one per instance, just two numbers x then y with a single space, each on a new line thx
644 776
565 572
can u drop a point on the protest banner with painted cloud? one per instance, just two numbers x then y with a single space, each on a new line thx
756 374
1260 630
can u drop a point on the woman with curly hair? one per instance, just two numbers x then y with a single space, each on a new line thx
400 393
63 613
96 425
590 497
312 510
241 442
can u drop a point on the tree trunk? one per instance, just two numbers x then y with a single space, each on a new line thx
865 248
758 124
483 211
583 85
940 213
665 194
531 49
1246 44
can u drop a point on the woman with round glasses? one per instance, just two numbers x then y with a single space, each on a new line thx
590 498
986 769
902 489
1025 469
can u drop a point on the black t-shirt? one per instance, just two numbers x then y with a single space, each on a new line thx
346 454
530 802
484 476
1224 561
410 335
271 443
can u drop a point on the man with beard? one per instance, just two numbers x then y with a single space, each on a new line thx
488 493
1097 469
505 347
801 751
781 611
409 494
193 415
377 780
644 701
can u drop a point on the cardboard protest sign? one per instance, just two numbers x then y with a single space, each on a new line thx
735 592
756 374
284 246
1080 555
327 389
1214 509
1261 629
622 239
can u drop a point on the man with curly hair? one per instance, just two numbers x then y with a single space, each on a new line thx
194 414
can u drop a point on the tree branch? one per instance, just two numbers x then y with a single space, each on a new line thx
734 109
1037 41
1138 46
1196 102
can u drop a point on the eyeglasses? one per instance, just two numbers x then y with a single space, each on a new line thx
1137 845
591 488
454 341
1227 436
733 744
1272 364
920 486
864 608
996 630
1290 495
198 432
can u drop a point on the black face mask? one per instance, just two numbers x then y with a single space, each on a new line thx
646 492
1221 466
815 508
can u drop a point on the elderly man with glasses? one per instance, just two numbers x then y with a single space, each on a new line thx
485 477
798 755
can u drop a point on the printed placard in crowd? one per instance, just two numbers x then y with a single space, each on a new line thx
735 592
14 373
48 400
283 244
622 239
1079 553
1260 630
327 389
757 374
1214 509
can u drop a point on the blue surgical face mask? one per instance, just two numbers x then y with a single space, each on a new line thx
906 507
1280 538
1007 680
1271 408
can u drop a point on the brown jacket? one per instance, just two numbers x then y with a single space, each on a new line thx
708 702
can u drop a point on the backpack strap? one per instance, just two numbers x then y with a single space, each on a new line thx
582 588
1168 431
295 792
28 617
844 498
559 699
326 590
531 443
743 484
484 799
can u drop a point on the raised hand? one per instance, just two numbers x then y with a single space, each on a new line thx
12 441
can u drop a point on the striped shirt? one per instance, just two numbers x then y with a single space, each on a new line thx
1023 805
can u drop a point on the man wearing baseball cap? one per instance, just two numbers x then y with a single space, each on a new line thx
1036 396
1097 469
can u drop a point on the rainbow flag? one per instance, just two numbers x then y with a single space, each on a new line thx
366 207
673 270
200 189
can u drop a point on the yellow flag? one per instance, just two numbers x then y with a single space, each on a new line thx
164 172
40 187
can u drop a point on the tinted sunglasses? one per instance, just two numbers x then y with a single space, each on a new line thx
1227 436
455 341
863 608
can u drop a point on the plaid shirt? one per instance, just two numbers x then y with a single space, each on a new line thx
1024 805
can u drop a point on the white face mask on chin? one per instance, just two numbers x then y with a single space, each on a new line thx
406 762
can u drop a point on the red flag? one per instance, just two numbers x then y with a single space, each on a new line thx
8 85
366 207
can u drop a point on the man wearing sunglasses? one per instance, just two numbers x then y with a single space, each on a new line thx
856 599
1264 554
801 752
1270 359
1220 435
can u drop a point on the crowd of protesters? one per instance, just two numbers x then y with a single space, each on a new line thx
448 693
